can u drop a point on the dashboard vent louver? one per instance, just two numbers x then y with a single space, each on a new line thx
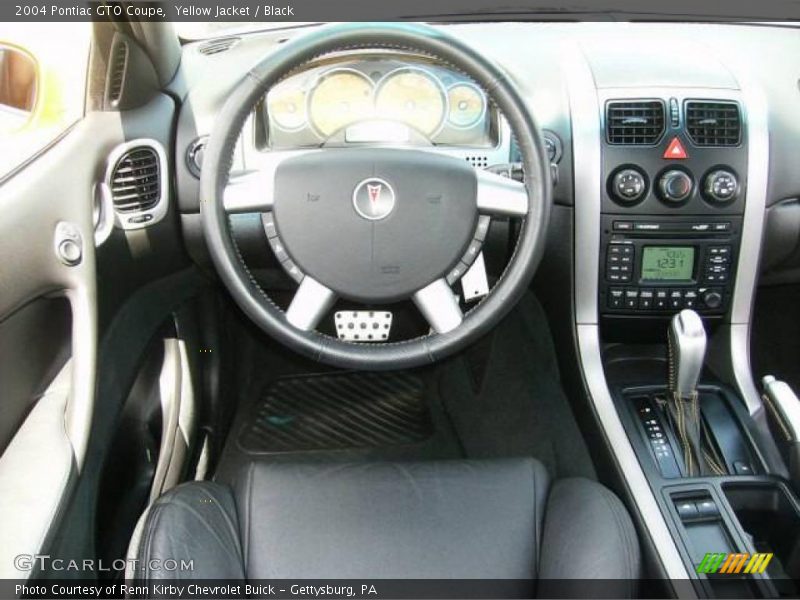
710 123
634 122
116 80
136 180
218 46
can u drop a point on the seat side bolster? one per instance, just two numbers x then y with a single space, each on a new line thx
195 525
588 534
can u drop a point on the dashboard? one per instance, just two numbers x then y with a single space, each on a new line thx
378 98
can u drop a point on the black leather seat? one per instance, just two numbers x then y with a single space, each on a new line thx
457 519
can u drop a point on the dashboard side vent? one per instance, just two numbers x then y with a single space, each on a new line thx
635 122
218 46
713 123
116 72
136 180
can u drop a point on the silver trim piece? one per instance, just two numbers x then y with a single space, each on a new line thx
756 114
475 283
439 306
363 325
104 213
132 220
498 195
310 303
586 137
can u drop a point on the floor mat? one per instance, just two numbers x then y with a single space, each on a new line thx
338 411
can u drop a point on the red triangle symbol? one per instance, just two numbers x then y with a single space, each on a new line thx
675 150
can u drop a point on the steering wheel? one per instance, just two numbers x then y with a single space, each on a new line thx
374 225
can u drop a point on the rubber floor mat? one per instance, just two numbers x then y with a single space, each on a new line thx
338 411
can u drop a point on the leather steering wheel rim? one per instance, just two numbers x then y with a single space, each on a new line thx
252 299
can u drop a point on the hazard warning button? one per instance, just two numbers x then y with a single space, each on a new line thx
675 150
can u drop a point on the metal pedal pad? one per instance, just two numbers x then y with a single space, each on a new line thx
363 325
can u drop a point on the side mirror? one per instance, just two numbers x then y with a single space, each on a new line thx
19 86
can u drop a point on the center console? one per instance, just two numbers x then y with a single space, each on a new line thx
670 189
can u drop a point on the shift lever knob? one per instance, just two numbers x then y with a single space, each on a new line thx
687 350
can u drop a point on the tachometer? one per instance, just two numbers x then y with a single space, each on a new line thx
413 96
286 107
340 97
467 105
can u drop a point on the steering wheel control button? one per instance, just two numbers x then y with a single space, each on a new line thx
374 199
628 186
363 325
268 221
675 186
68 244
278 249
721 186
482 230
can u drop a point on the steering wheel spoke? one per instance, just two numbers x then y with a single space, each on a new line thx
498 195
310 304
439 306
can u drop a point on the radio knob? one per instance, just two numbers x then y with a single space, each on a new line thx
675 186
628 186
721 186
712 299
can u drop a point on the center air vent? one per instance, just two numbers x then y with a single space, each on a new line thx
710 123
634 122
137 180
219 45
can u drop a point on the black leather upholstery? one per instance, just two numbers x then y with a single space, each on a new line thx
457 519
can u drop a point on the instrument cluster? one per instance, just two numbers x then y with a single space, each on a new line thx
378 99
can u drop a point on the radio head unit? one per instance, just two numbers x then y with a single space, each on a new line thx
656 266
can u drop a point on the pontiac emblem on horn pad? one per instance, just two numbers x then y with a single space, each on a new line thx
373 199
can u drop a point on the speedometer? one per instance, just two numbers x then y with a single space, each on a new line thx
340 97
467 105
413 96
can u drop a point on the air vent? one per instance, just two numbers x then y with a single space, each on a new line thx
116 73
634 122
713 123
136 180
219 45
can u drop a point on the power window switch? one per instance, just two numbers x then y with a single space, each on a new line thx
687 510
707 508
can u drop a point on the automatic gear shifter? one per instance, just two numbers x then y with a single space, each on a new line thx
687 349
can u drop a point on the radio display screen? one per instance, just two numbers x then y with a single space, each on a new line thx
668 263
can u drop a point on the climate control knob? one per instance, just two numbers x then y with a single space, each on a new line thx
721 186
628 186
675 186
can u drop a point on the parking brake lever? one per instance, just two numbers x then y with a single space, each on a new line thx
784 405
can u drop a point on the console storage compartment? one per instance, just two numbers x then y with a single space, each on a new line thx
770 516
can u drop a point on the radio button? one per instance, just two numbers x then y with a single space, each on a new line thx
631 298
615 298
712 299
676 299
690 299
661 301
646 299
